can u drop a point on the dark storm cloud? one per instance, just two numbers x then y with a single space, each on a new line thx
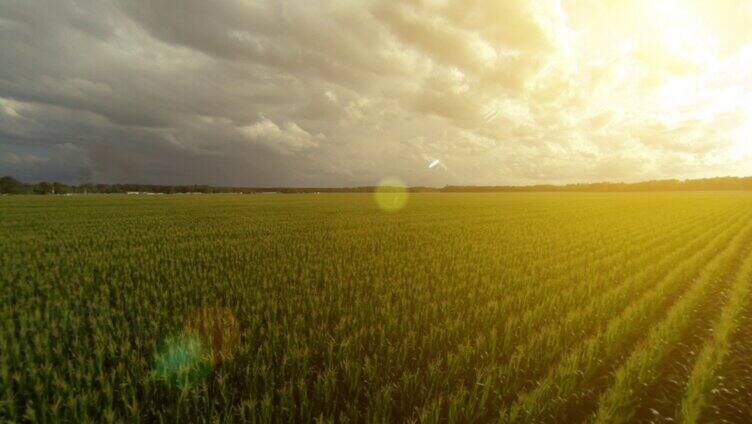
81 74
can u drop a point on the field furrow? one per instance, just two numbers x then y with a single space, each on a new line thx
703 377
546 341
618 403
721 383
550 337
569 382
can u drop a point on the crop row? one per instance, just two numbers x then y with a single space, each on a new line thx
458 308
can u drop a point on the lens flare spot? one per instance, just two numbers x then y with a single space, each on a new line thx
391 194
209 336
182 361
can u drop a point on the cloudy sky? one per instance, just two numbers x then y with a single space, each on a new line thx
346 92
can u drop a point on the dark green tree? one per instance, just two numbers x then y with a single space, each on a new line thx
60 188
10 185
43 188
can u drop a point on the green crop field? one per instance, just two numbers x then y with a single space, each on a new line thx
297 308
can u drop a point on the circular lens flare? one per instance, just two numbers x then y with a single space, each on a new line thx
391 194
210 336
182 361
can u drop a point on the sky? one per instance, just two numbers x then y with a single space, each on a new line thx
343 93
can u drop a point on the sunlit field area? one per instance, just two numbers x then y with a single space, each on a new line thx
529 307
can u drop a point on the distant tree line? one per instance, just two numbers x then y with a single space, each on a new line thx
703 184
10 185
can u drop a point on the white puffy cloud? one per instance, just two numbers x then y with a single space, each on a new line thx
288 139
